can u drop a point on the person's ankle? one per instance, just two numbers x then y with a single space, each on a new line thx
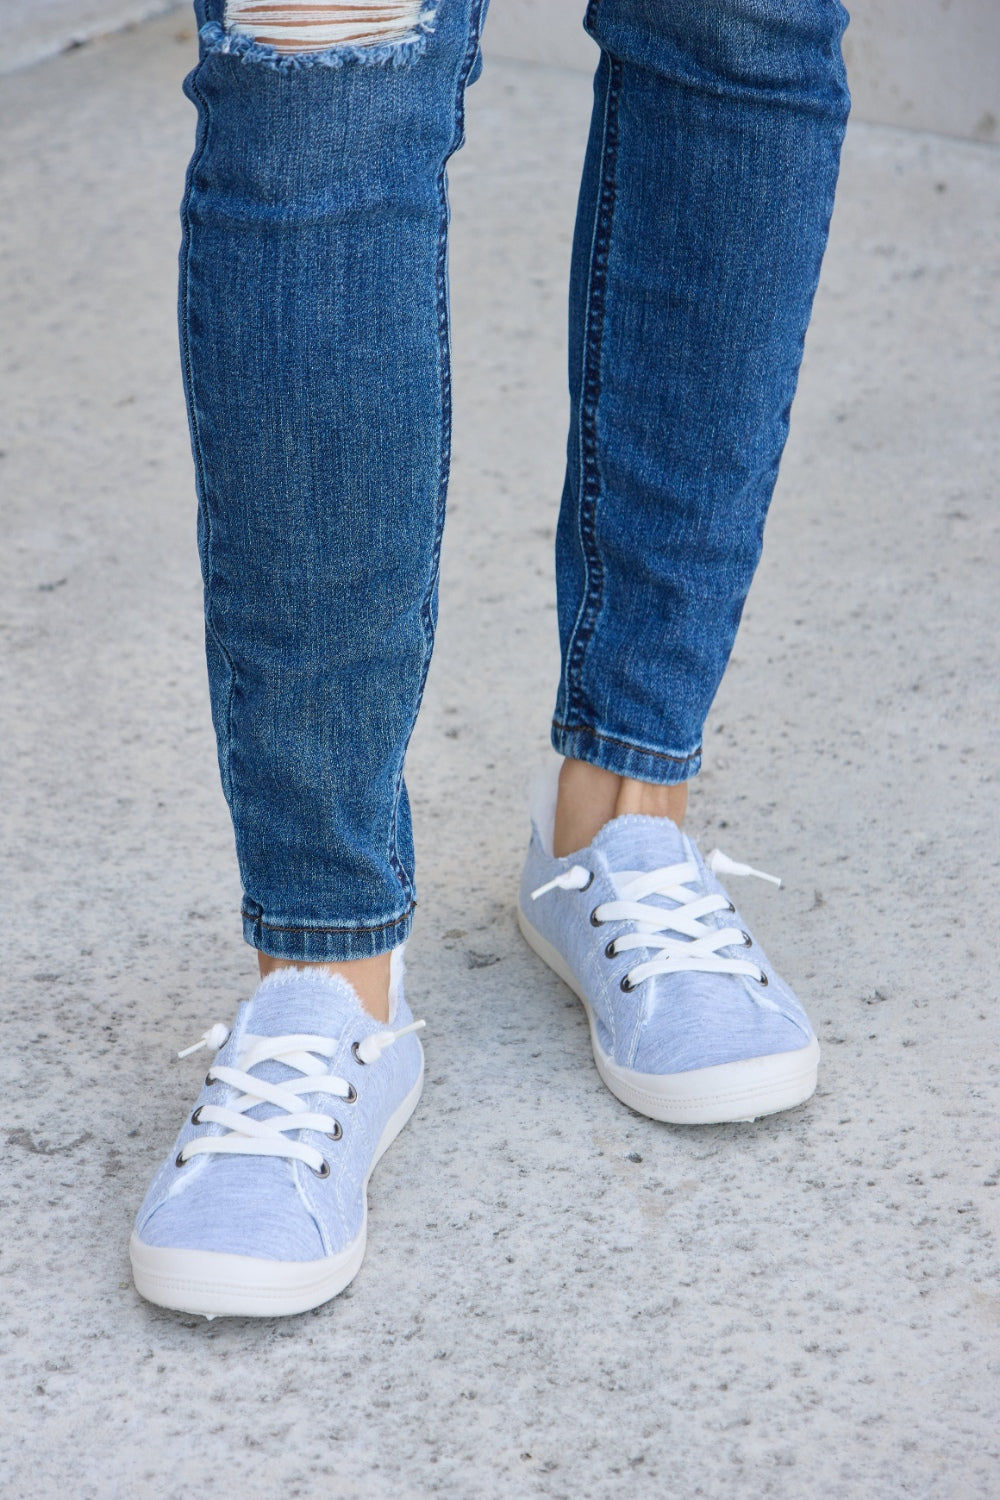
589 797
368 977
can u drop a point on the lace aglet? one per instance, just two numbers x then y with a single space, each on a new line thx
721 864
576 878
405 1030
371 1049
215 1037
543 890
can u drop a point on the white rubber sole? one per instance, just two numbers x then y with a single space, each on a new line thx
704 1096
216 1285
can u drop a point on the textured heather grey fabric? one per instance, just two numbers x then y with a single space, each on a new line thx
670 1023
268 1207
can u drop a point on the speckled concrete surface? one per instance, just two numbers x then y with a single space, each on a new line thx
561 1298
36 29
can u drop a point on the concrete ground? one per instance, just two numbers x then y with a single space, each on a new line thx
561 1298
36 29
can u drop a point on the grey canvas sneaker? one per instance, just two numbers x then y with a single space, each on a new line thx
261 1207
689 1023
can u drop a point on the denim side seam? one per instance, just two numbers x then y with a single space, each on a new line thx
428 611
205 125
216 39
590 483
834 147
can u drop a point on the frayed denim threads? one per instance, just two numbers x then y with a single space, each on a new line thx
399 54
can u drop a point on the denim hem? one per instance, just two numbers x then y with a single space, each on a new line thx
312 943
622 757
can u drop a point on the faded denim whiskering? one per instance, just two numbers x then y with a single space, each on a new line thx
314 330
314 327
706 198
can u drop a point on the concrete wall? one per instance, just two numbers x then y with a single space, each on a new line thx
34 29
927 64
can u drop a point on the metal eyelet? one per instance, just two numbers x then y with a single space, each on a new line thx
747 940
763 978
590 881
611 951
323 1171
352 1097
336 1132
730 907
196 1116
209 1080
627 985
356 1055
180 1160
595 920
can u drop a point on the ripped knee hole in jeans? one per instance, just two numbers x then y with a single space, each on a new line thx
292 29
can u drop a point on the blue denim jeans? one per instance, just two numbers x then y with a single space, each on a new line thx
314 330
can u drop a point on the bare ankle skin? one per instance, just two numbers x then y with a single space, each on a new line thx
368 976
590 797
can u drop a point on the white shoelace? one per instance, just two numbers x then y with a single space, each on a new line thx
679 937
270 1137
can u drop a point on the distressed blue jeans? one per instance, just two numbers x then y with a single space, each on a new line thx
314 332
